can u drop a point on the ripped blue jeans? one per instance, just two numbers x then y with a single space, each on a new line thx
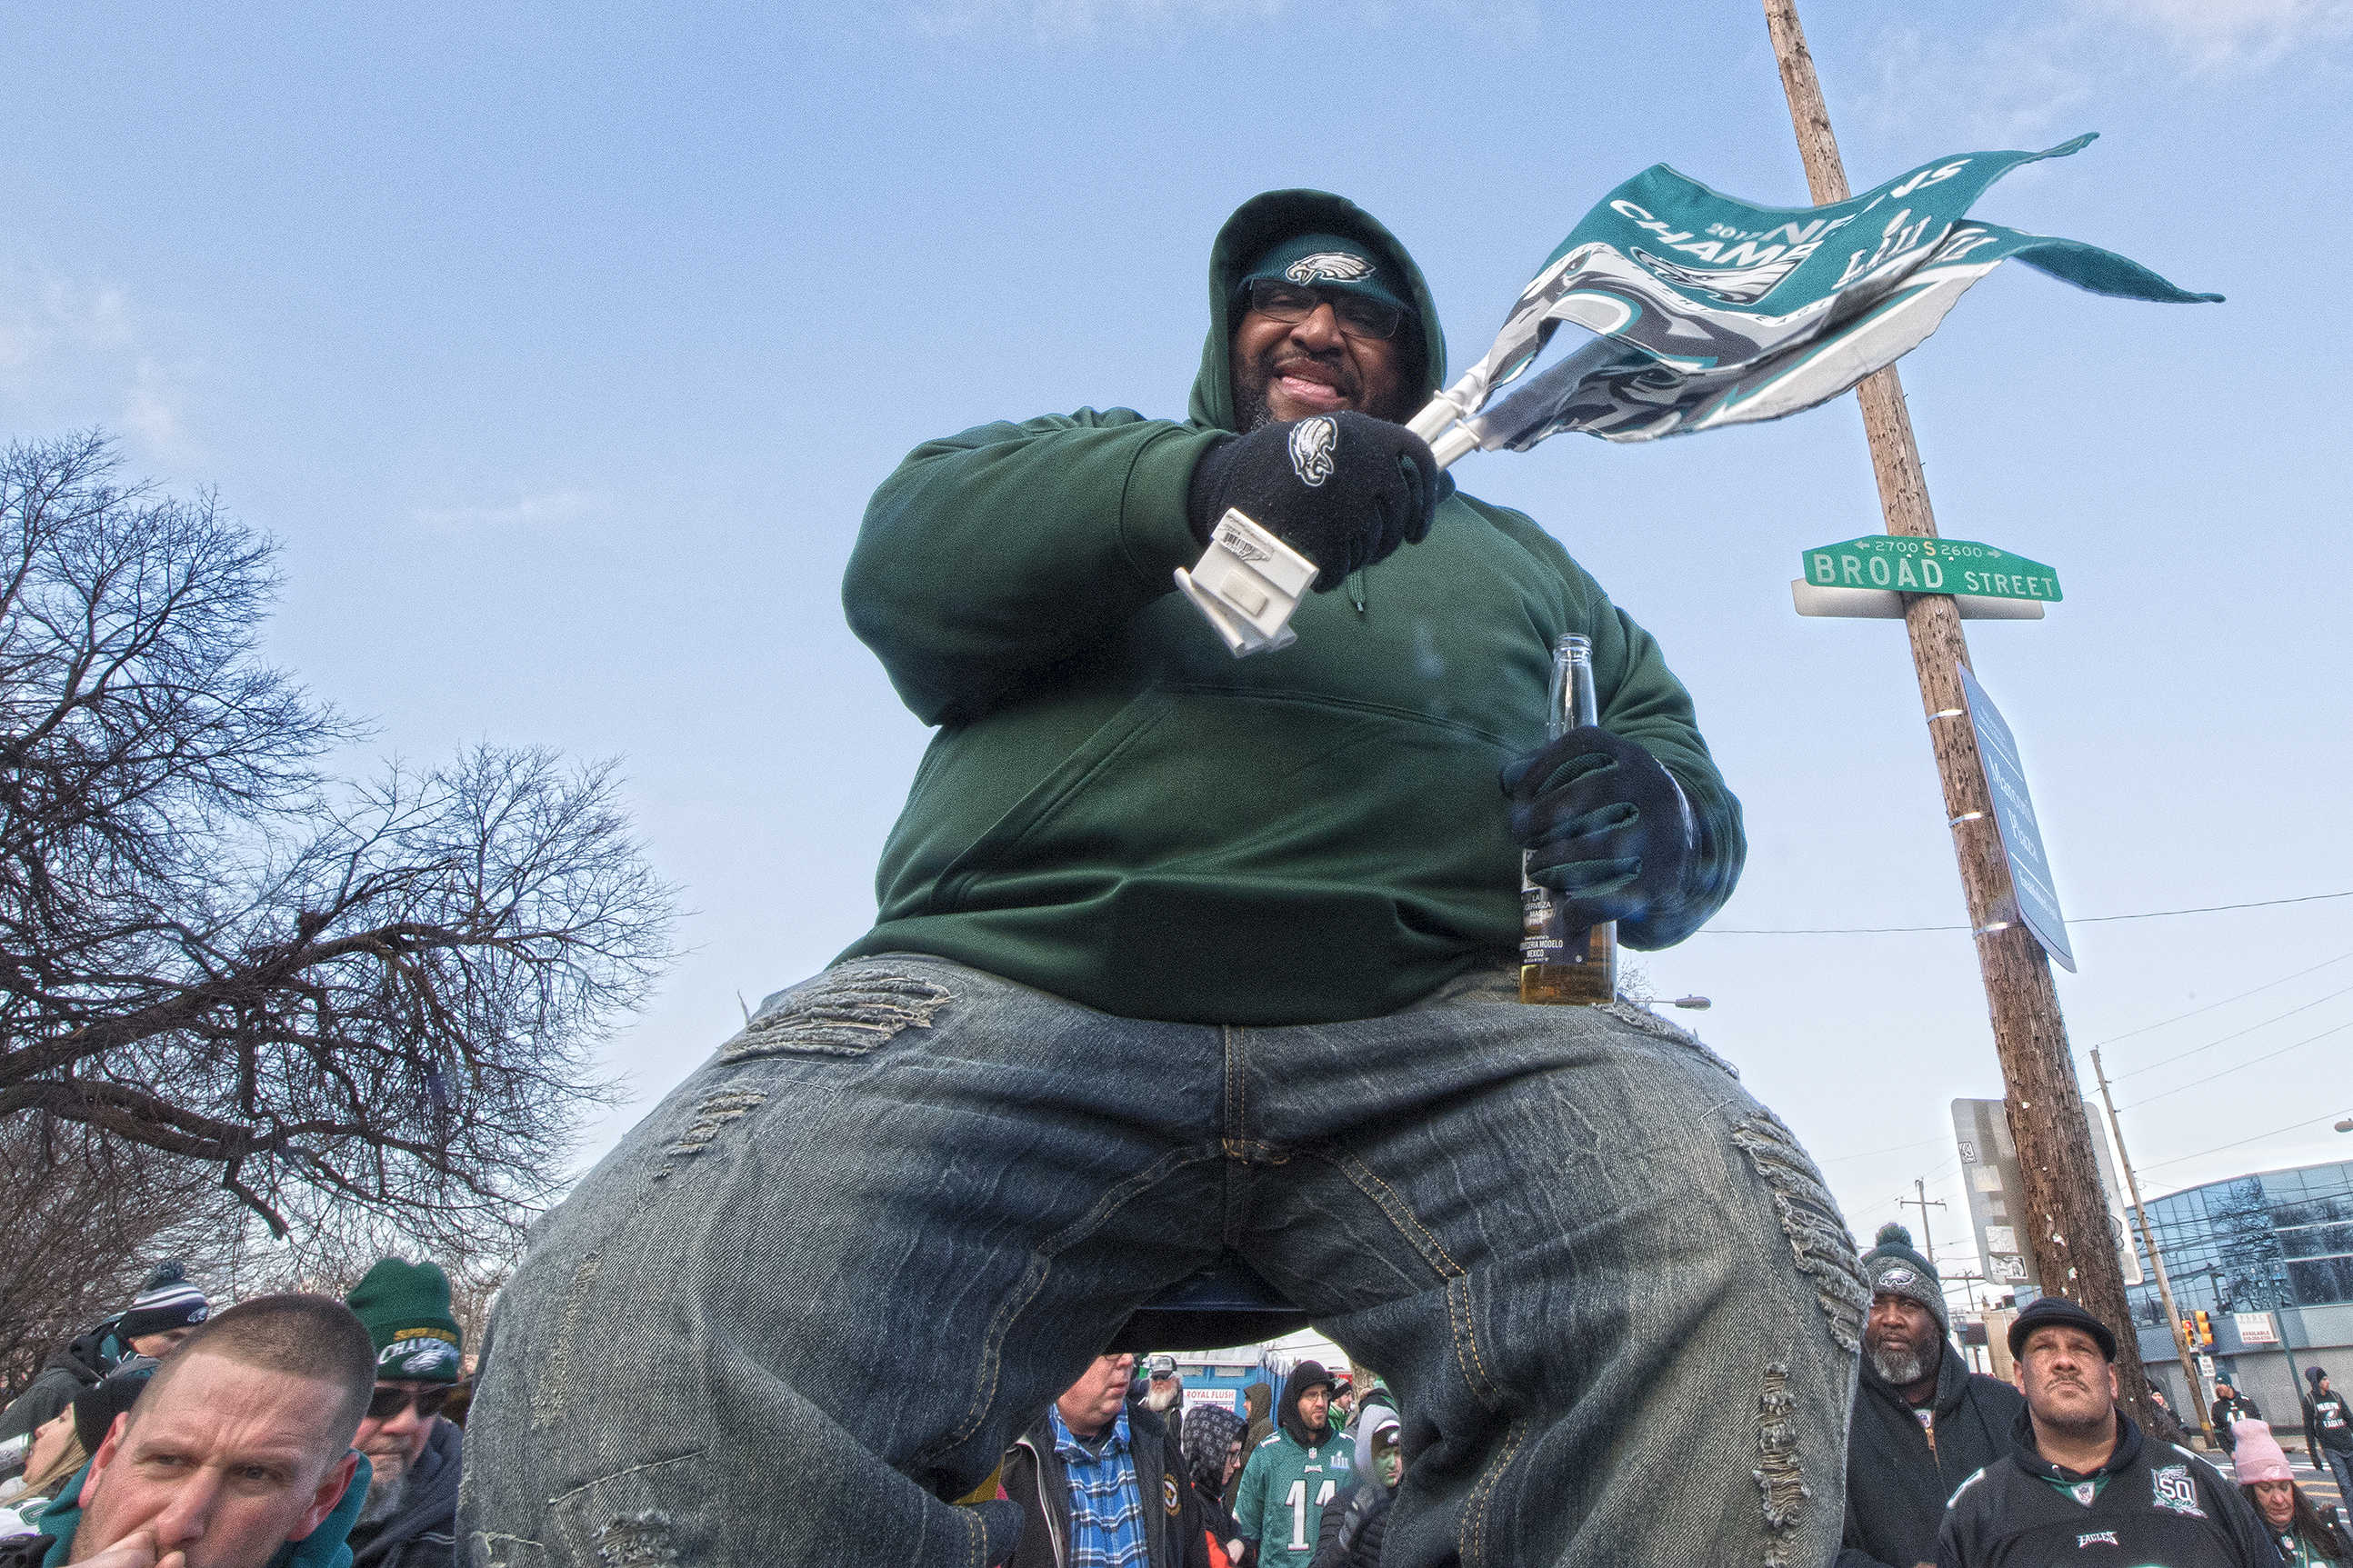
820 1289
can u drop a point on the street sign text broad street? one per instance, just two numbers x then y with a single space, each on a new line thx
1909 565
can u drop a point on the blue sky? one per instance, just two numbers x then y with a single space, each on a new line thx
562 355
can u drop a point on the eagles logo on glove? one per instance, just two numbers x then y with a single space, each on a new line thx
1344 489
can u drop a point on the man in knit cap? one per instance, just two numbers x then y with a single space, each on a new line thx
2227 1409
2081 1485
410 1518
2329 1430
166 1311
1923 1421
2306 1537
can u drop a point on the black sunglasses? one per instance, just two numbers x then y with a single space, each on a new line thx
387 1403
1359 315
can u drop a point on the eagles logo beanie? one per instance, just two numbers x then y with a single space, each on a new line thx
406 1307
1328 261
1894 1270
166 1301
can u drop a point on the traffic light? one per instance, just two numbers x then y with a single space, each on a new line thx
2205 1328
2188 1330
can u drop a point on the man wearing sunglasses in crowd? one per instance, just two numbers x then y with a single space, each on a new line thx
1182 961
409 1519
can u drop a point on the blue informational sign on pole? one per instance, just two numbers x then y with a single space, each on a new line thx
2014 813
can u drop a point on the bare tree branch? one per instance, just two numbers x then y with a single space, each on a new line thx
325 993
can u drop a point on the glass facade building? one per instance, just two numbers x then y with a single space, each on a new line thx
2252 1243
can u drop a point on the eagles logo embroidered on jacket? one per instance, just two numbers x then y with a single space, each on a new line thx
1329 266
1312 442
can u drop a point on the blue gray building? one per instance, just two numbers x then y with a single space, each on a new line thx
2277 1242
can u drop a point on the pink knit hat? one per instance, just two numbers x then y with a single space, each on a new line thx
2256 1456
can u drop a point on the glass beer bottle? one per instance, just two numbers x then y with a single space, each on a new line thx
1561 963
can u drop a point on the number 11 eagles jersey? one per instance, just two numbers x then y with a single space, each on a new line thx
1284 1488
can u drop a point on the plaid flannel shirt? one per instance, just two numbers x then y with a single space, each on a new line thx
1106 1504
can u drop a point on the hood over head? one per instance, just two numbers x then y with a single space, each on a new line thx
1209 1431
1267 220
1377 1416
1307 1375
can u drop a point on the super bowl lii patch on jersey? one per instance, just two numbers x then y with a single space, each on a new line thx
2175 1491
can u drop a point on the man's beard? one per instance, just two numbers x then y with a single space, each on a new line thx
1898 1364
385 1493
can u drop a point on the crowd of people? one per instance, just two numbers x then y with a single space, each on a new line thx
1185 962
297 1431
1944 1465
290 1430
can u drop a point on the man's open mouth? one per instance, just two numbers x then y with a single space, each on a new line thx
1312 382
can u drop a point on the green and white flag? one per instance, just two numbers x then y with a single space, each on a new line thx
1712 312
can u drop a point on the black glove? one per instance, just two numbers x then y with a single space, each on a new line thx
1344 489
1604 824
1364 1525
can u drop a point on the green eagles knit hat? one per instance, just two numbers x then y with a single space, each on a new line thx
1894 1270
1328 261
406 1307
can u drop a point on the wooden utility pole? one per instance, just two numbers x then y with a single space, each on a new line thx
2156 1258
2065 1217
1921 1200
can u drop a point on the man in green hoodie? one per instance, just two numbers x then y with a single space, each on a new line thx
1182 959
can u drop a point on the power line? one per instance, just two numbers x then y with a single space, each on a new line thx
1867 1153
2258 1138
2239 1067
2225 1002
2077 921
2226 1039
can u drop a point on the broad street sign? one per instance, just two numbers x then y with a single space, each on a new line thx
1903 564
2014 813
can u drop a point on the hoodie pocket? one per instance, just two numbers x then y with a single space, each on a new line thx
1099 754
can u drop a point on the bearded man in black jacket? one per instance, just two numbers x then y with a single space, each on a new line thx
1924 1423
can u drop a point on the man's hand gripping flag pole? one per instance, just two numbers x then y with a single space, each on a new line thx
1707 310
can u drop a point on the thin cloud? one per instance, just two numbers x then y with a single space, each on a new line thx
2019 82
2243 34
151 410
1053 20
2013 87
76 353
546 508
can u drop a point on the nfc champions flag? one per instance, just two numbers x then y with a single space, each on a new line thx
1714 312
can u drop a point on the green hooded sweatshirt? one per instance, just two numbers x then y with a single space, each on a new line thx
1118 811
